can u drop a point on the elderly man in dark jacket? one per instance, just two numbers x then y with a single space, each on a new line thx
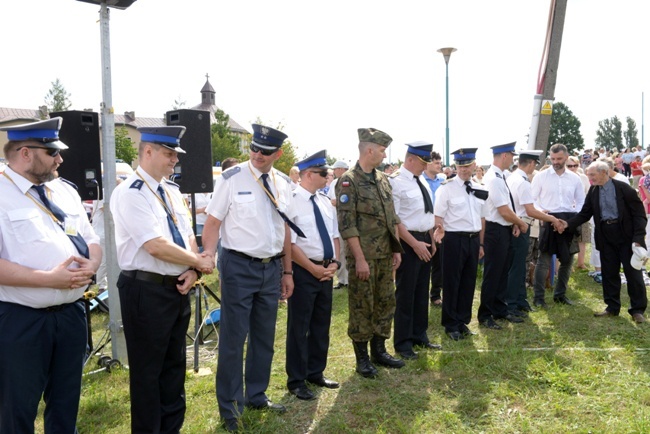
620 223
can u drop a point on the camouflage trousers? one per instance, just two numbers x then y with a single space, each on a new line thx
371 302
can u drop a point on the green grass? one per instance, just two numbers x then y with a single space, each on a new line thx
561 371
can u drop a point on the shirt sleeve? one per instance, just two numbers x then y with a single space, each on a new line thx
137 218
346 199
220 202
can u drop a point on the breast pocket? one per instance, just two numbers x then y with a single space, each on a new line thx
245 206
457 200
368 201
27 224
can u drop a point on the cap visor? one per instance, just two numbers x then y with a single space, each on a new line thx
173 148
266 147
57 144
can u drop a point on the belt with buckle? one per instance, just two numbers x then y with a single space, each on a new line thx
325 263
250 258
610 221
465 234
145 276
58 307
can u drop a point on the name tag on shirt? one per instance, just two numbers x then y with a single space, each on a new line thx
70 227
244 192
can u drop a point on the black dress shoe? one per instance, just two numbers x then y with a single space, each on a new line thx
340 285
540 303
512 318
455 336
324 382
563 300
490 324
303 393
428 346
526 309
270 406
519 313
232 425
408 355
465 331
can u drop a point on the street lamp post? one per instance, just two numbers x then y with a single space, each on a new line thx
446 53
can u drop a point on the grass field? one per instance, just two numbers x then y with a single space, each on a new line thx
561 371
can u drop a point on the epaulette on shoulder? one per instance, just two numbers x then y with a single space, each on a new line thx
283 175
498 175
395 174
230 172
137 184
167 181
322 194
70 183
445 181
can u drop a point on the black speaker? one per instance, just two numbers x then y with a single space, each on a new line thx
82 163
194 168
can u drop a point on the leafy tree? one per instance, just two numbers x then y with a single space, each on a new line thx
565 128
610 133
630 135
225 143
124 149
330 160
178 103
57 98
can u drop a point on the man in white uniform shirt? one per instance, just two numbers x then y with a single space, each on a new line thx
315 261
520 188
339 168
248 210
501 224
48 255
559 192
158 256
414 206
458 211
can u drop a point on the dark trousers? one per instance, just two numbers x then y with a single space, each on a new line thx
516 295
41 354
155 319
436 274
412 298
308 328
615 249
498 257
460 261
249 307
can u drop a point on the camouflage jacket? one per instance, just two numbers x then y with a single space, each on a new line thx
365 209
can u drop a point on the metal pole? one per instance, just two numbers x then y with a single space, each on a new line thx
118 342
447 112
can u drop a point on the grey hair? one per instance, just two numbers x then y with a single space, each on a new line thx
599 166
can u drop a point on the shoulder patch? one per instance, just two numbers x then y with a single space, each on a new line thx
137 184
70 183
230 172
171 183
282 175
345 184
344 198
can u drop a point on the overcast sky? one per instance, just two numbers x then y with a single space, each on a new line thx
324 69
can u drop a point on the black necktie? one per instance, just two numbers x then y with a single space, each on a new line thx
76 239
481 194
176 235
291 224
428 206
468 187
512 201
328 252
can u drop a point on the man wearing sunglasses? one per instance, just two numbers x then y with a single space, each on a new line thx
367 221
48 255
248 210
414 206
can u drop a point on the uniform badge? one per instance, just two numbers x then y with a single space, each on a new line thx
344 198
345 184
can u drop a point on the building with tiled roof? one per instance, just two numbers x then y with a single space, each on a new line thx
16 116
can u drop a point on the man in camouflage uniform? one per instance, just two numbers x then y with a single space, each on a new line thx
368 222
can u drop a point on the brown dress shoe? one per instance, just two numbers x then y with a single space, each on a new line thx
638 318
604 313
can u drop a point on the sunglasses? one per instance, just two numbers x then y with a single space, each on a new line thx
266 152
322 173
49 151
571 165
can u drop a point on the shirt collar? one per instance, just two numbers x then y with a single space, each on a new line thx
154 183
403 171
21 182
300 191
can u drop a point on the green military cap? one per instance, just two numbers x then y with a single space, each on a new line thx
373 135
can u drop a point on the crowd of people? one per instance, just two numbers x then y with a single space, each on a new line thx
397 239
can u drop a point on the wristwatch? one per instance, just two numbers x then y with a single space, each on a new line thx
290 273
338 263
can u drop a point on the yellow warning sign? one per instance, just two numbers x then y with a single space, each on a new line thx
547 107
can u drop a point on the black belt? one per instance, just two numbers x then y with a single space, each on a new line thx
610 221
250 258
145 276
326 263
465 234
58 307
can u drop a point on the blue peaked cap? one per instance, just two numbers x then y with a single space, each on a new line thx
46 132
169 137
318 160
267 138
421 149
464 156
500 149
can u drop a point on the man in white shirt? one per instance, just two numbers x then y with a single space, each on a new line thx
560 193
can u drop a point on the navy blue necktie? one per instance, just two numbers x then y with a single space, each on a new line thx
428 205
176 235
328 252
291 224
77 239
